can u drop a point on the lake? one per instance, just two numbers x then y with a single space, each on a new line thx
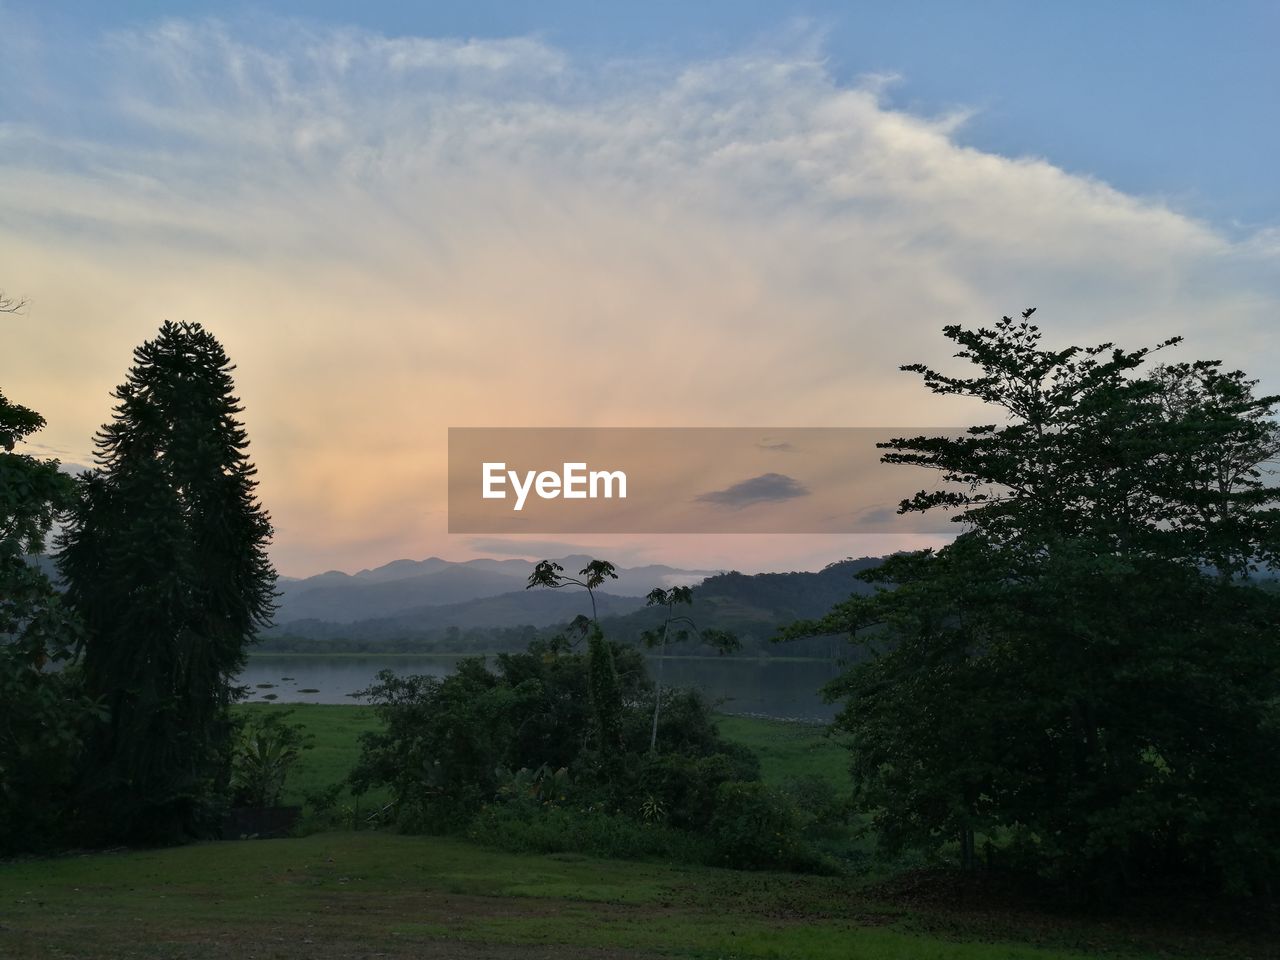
772 688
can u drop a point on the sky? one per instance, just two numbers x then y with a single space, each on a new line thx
402 218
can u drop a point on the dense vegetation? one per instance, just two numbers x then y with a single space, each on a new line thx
1086 683
44 710
540 753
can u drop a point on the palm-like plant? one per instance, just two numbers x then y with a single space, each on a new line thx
265 751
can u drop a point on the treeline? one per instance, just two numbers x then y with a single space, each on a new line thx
755 607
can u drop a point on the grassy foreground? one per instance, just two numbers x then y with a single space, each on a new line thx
377 894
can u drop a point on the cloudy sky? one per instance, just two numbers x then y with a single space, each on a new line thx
550 215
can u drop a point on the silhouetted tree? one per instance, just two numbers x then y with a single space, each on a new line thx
165 559
42 711
1090 669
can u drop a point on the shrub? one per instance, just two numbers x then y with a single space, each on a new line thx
265 749
687 786
756 828
518 755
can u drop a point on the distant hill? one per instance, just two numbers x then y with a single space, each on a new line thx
349 599
755 606
534 608
403 588
445 606
752 606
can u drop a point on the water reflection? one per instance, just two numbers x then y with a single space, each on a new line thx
774 688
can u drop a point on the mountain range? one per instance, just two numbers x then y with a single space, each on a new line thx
410 588
458 606
751 606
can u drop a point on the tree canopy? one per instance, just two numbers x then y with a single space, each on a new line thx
44 712
1085 682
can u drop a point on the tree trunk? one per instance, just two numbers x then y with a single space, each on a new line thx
657 698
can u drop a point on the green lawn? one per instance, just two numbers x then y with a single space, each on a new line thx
788 750
376 894
342 894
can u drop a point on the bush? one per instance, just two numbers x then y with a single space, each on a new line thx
687 787
821 809
41 748
525 755
756 828
265 749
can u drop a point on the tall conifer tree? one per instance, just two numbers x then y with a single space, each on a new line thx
165 556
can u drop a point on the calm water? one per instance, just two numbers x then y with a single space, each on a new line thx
769 688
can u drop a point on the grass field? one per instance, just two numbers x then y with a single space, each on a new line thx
788 750
378 894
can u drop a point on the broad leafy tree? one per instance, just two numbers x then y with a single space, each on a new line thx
1086 681
165 558
42 711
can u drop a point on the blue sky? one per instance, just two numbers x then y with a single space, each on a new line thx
1167 98
404 219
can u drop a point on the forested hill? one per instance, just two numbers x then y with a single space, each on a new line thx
754 606
787 596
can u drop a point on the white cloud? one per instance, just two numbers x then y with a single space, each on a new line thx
395 235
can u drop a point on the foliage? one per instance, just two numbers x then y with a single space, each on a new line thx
444 740
266 749
755 827
548 573
1088 668
684 787
516 752
821 809
581 731
45 712
165 560
605 695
